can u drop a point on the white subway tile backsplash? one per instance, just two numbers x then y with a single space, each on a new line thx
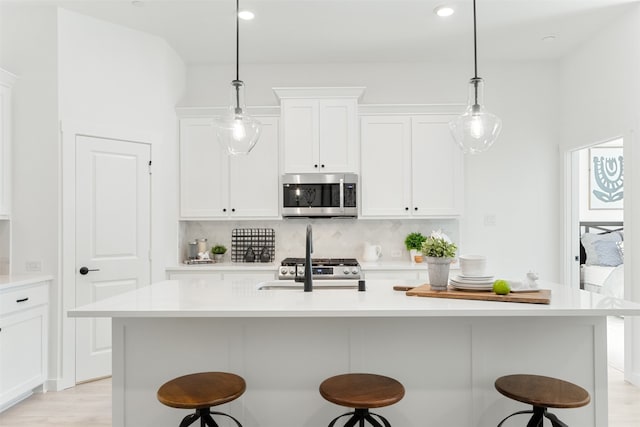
336 238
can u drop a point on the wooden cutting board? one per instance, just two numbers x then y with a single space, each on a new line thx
543 296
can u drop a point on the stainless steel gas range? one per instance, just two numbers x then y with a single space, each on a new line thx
322 268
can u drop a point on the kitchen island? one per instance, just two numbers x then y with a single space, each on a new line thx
447 353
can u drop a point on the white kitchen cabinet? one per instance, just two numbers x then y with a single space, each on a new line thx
6 83
319 129
23 340
410 167
214 185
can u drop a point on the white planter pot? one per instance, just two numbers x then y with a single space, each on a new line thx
438 272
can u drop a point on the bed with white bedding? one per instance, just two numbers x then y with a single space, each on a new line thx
601 257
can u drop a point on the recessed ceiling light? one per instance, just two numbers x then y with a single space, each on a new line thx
549 38
247 15
444 11
137 3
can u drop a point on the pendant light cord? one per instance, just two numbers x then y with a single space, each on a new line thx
237 81
475 55
475 43
238 39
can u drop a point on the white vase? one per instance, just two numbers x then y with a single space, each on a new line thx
438 272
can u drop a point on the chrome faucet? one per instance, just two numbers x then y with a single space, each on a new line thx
308 268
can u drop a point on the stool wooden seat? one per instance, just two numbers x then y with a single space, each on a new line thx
362 392
542 392
201 391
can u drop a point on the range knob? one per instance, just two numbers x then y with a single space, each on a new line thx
354 270
284 271
346 271
292 270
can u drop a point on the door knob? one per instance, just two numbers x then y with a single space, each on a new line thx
85 270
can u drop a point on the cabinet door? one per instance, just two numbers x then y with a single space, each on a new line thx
204 180
385 166
254 179
300 135
23 352
437 163
338 136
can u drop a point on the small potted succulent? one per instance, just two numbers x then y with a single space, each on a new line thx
439 252
218 252
414 242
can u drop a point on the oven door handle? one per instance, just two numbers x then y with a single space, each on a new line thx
341 194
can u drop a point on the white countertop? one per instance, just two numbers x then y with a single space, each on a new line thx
16 280
212 298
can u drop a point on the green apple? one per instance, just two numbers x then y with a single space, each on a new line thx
501 287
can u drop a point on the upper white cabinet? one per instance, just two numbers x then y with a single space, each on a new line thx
214 185
319 129
6 83
410 167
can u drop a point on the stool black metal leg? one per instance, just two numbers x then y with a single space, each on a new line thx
189 419
538 417
374 422
359 416
515 413
228 416
555 422
207 420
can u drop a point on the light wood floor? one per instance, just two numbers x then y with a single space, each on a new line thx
90 405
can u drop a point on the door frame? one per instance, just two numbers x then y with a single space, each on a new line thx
570 217
66 296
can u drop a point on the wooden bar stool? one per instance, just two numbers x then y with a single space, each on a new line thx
362 392
201 391
542 392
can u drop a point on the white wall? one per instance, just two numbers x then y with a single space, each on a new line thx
601 101
517 181
75 69
125 80
125 83
28 48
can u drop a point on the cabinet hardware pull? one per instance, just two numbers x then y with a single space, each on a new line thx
406 208
224 210
315 166
415 209
321 166
233 209
22 299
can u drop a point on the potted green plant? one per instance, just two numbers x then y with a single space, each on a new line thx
218 252
413 242
439 251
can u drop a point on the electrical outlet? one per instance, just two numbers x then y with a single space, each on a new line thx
490 220
33 266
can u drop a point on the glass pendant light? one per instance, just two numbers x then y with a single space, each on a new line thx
476 129
237 132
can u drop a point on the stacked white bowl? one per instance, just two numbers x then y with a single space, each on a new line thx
473 276
473 265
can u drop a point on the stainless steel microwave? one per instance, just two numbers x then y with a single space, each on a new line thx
320 195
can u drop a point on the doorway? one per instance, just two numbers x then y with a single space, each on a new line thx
595 230
112 237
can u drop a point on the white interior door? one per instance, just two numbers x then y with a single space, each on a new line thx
113 188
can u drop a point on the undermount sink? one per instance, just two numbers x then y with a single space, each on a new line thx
286 285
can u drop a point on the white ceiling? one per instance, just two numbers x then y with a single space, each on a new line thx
313 31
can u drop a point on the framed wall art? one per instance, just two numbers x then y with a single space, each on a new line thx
606 178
